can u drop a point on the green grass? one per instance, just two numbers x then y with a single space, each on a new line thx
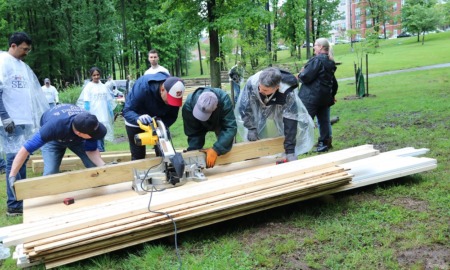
400 224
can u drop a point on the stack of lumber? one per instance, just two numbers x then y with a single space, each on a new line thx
94 226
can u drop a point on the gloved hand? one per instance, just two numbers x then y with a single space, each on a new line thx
291 157
11 181
211 156
9 125
145 119
252 135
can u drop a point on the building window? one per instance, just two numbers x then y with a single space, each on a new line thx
394 7
368 23
357 24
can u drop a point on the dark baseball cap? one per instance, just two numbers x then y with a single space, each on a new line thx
88 123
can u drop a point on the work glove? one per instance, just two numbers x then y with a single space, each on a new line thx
211 156
9 125
145 119
291 157
252 135
11 181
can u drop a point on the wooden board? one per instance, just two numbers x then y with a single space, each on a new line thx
123 172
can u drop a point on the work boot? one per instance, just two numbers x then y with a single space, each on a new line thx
329 141
322 147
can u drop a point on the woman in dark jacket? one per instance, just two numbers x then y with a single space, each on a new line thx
318 89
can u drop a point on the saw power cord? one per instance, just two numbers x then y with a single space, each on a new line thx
169 217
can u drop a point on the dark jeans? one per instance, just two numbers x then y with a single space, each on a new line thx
323 119
236 89
53 153
137 152
22 174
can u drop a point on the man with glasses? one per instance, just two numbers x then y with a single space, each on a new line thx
22 103
269 107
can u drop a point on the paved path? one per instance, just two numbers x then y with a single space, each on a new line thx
400 71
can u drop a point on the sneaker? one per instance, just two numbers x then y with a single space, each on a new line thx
321 147
14 212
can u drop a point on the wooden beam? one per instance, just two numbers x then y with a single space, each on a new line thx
113 174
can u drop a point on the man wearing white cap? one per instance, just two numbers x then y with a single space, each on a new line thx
51 94
153 95
209 109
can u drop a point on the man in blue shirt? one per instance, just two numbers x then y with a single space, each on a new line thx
153 95
63 126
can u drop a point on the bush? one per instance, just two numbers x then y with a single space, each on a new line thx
70 95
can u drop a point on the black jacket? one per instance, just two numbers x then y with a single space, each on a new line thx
319 84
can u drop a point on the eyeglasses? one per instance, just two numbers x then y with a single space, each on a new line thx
26 49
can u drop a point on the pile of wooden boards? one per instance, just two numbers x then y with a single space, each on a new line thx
105 218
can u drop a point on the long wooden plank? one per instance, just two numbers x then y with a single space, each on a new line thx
113 174
75 163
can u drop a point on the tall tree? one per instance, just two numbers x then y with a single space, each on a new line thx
420 16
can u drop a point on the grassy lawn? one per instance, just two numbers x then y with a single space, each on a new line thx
400 224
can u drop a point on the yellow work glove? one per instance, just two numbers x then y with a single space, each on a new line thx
211 156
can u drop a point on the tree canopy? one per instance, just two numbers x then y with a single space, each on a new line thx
70 36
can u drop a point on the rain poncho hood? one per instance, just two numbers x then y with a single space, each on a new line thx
252 113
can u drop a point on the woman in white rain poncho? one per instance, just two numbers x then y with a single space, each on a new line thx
269 107
96 99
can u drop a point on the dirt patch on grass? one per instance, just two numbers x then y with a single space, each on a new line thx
411 204
434 257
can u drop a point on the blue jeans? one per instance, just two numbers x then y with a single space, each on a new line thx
236 89
53 153
2 164
22 174
331 131
101 145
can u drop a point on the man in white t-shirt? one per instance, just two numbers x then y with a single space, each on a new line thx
51 94
153 58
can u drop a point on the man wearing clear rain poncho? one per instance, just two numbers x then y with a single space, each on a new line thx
22 103
269 107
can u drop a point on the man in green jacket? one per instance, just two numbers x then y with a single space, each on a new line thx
209 109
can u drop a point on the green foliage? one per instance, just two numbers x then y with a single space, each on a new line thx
420 17
377 227
70 95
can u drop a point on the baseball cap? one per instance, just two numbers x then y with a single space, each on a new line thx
47 80
175 90
88 123
205 106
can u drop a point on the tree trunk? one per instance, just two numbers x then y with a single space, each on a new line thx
125 40
200 57
214 46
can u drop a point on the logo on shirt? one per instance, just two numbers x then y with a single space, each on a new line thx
18 81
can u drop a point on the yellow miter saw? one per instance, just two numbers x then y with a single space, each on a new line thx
174 170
